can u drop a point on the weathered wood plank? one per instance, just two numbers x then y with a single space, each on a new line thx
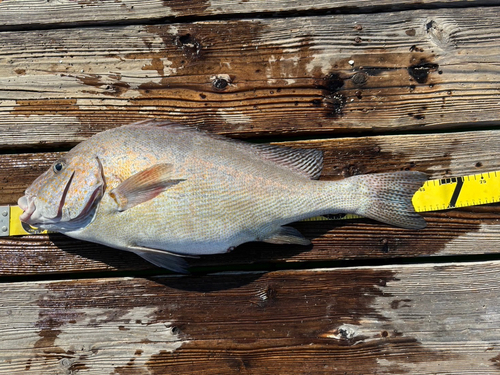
35 13
349 73
386 320
458 232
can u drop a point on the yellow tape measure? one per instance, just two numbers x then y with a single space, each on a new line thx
456 192
10 225
434 195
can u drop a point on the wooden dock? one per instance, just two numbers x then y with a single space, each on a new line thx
378 86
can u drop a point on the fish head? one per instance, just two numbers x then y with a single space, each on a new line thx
65 195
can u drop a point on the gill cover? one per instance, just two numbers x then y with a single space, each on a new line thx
68 190
85 188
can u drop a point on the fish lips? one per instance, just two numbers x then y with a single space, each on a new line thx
31 215
27 204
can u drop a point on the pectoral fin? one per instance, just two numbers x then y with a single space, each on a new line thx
143 186
288 235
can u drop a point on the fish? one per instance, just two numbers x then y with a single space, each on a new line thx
166 192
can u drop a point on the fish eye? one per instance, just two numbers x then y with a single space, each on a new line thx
58 166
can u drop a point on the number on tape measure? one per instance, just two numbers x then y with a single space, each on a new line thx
456 192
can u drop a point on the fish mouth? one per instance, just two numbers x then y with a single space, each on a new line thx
27 204
30 215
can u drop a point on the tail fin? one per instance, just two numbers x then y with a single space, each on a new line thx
386 197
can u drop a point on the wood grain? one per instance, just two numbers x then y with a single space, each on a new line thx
382 320
19 14
432 69
279 70
466 231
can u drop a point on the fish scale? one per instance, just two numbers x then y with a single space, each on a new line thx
164 191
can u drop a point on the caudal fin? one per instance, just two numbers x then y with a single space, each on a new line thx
387 197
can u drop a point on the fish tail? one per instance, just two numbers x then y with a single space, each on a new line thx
387 197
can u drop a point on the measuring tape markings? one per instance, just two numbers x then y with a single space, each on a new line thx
454 192
434 195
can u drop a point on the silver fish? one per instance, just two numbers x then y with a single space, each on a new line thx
164 191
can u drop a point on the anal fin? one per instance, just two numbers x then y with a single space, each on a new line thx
287 235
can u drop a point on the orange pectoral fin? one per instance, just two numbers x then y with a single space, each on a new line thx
143 186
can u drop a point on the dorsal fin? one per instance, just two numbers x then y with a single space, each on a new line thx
305 162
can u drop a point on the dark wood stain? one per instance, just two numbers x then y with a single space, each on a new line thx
340 88
496 361
196 48
334 100
191 47
420 71
131 367
116 89
245 320
64 107
17 174
51 324
366 156
198 7
346 299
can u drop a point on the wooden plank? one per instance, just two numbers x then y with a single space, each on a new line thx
317 75
382 320
464 231
35 13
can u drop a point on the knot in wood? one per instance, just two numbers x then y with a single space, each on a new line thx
221 82
359 79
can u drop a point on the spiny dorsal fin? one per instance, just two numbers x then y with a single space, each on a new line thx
305 162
